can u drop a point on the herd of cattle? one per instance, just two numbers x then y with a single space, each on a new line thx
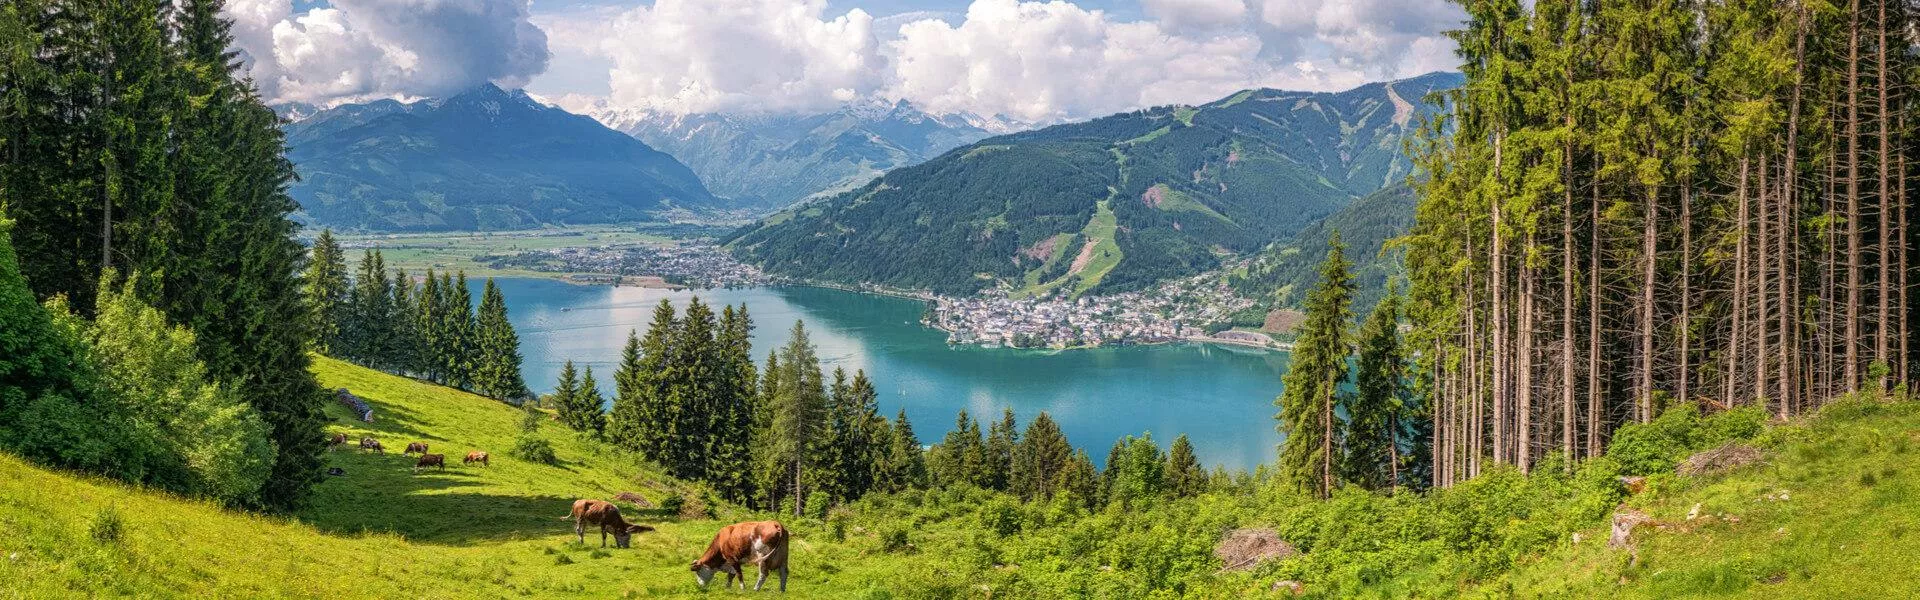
759 543
369 444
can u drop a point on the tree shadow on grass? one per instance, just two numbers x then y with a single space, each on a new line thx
430 506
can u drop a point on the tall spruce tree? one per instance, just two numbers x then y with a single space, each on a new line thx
589 414
1040 459
697 380
459 341
1318 367
799 413
497 365
1183 475
626 423
1002 437
326 291
731 423
906 462
428 319
1379 409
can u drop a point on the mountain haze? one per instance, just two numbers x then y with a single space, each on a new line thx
772 161
483 159
1111 204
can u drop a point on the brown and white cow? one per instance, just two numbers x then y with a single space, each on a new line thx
607 516
431 460
367 443
338 440
762 543
476 456
413 447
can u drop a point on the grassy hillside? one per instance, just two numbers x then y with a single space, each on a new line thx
382 530
1830 511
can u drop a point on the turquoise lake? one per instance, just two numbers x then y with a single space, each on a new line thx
1220 396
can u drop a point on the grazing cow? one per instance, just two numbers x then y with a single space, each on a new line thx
762 543
431 460
607 516
338 440
367 443
413 447
476 456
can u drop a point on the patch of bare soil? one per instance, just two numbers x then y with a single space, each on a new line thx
1283 321
1086 256
1243 549
1720 460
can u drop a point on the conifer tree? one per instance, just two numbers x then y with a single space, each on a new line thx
1318 367
1082 481
1041 459
592 417
1378 410
497 368
429 321
459 350
906 461
696 382
647 387
326 291
626 424
731 424
404 348
1183 475
1002 437
565 396
799 413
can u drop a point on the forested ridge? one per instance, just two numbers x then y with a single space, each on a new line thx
1112 204
1638 205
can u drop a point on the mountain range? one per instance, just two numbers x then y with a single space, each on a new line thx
1110 204
484 159
774 160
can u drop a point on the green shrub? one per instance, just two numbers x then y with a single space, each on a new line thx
562 559
817 504
894 539
673 504
534 449
107 526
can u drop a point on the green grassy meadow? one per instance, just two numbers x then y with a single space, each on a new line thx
455 251
1831 512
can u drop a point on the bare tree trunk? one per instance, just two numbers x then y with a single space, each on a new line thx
1644 386
1594 419
1523 443
1852 335
1789 221
1497 283
1760 320
1886 153
1735 355
1567 414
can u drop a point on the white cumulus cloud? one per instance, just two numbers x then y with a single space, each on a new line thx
738 55
360 49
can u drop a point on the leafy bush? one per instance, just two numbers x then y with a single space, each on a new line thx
107 526
673 504
534 449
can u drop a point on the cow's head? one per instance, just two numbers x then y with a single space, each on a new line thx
624 535
703 572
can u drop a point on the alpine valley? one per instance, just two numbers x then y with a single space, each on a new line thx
775 160
1107 205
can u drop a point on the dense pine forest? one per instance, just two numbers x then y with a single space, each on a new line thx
1636 205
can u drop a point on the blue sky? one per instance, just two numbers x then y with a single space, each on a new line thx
1029 59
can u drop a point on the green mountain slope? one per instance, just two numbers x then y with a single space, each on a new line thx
486 159
1282 274
1184 185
